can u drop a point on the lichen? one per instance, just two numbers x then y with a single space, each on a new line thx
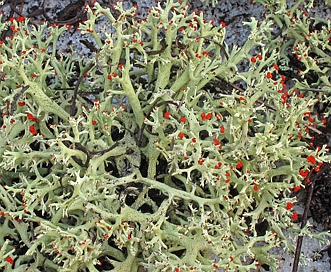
167 155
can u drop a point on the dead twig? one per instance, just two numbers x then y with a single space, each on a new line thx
76 19
157 52
234 86
15 99
74 97
89 154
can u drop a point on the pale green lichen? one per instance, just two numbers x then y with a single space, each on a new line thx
177 161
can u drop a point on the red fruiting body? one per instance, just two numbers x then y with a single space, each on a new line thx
33 130
10 260
304 173
295 216
296 188
289 206
239 165
182 119
200 161
216 142
311 159
31 118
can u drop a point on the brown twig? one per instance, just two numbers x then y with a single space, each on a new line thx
78 18
74 97
89 154
234 86
157 52
13 7
15 99
220 45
